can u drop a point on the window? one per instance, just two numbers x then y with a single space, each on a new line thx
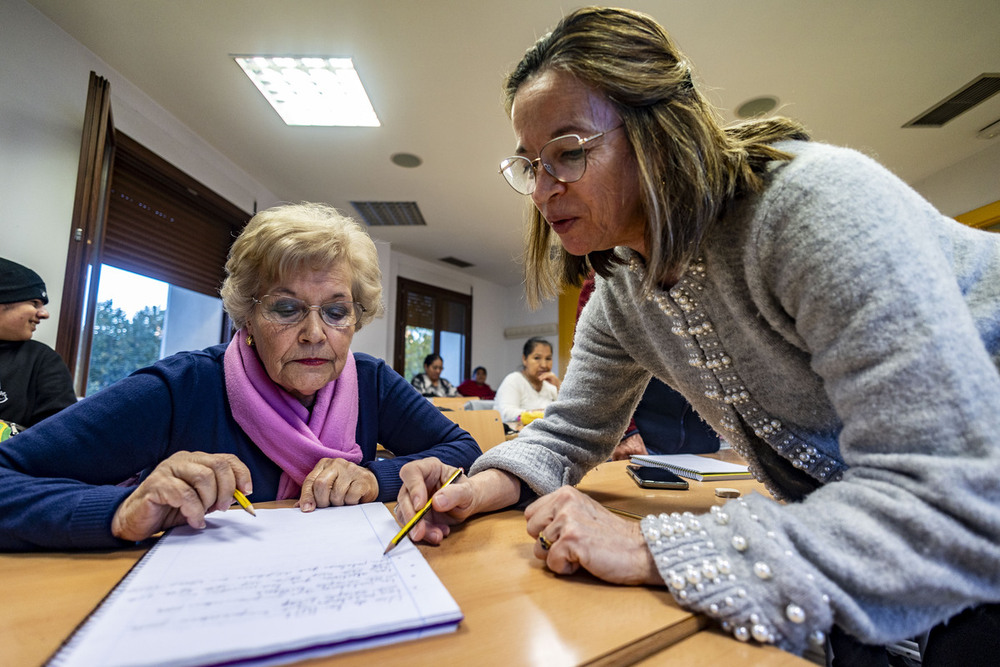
432 320
138 213
139 320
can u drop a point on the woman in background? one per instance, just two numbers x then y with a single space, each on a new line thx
533 387
476 386
430 383
285 410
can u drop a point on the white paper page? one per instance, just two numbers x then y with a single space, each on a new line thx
246 586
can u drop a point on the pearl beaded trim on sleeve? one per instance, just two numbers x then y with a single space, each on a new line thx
738 614
705 350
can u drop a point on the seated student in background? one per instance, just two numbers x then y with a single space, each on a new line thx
476 385
663 422
285 410
34 380
533 387
430 383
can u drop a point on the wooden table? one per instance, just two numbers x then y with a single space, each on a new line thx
516 611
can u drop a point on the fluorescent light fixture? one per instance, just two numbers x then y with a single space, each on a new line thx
311 90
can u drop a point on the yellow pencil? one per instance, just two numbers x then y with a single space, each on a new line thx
244 503
419 515
631 515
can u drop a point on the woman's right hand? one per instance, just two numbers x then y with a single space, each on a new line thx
551 378
489 490
183 488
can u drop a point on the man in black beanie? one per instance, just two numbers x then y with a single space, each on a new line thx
34 381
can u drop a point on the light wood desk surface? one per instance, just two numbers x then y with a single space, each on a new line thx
451 402
516 611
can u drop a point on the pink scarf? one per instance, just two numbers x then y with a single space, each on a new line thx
283 428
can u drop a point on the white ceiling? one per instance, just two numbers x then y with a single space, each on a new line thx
854 71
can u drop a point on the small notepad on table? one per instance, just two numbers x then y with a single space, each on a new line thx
279 587
692 466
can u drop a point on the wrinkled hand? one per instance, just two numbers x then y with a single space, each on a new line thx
182 488
337 482
632 445
584 534
489 490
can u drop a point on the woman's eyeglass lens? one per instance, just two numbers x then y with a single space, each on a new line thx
288 310
565 158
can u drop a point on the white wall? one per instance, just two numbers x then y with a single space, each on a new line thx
965 186
547 314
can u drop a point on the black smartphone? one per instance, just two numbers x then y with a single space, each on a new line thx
652 477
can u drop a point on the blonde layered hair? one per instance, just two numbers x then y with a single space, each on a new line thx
690 167
280 241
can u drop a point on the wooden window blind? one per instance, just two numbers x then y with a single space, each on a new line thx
163 224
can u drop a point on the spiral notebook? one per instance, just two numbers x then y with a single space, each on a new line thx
692 466
275 588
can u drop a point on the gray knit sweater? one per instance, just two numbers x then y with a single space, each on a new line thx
844 336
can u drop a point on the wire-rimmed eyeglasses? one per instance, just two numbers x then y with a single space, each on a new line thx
565 158
282 309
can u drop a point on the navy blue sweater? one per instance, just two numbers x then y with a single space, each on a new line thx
58 479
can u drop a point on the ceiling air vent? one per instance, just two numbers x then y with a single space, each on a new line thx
978 90
455 261
389 213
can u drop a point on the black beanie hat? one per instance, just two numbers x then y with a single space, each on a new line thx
19 283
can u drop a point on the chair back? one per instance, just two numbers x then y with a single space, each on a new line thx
484 426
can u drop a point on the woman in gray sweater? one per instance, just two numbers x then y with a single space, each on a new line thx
834 327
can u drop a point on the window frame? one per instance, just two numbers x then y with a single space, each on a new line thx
103 151
405 286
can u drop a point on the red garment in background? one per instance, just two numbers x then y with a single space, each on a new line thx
473 388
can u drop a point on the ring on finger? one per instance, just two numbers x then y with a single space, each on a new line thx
542 540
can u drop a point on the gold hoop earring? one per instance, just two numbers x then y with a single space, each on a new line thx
250 340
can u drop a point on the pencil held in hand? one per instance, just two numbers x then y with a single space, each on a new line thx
419 515
243 502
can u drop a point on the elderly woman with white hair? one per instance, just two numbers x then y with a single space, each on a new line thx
285 410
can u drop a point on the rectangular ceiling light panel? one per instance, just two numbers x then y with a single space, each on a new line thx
311 90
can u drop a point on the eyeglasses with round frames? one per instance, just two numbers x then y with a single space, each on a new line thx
564 158
289 310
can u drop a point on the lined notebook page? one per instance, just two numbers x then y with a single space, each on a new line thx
270 585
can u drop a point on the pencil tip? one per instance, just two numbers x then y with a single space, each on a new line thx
389 548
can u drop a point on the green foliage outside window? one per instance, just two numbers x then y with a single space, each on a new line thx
419 343
120 345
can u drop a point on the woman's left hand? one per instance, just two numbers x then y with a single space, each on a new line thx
337 482
581 533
